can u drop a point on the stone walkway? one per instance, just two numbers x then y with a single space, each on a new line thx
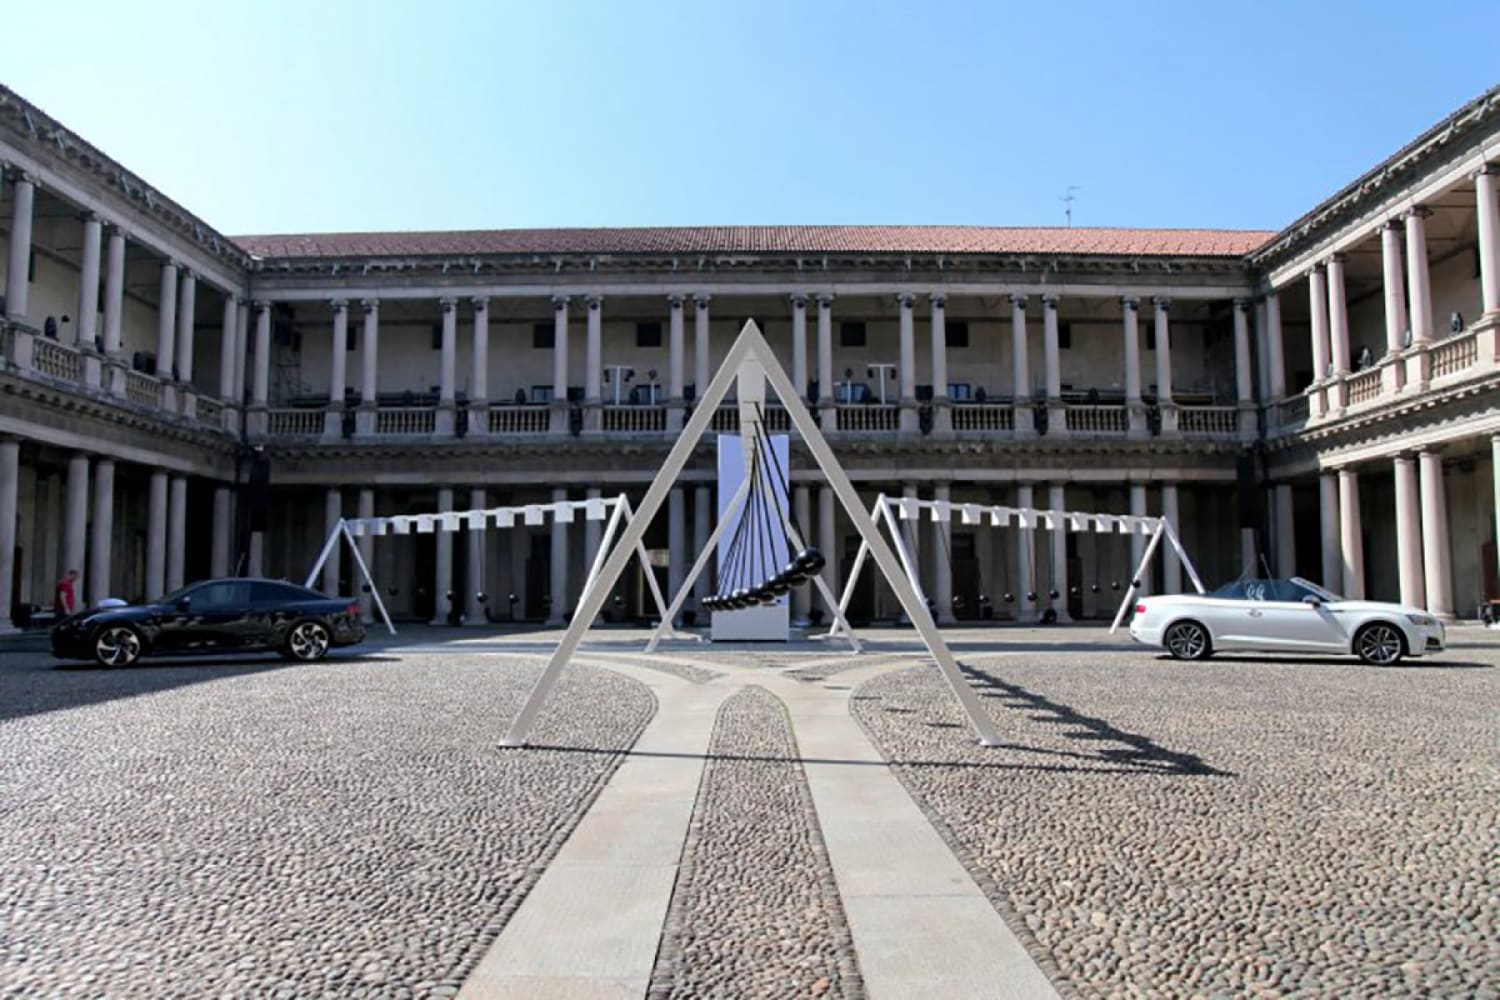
593 924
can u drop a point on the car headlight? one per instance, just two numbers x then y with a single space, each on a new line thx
1426 621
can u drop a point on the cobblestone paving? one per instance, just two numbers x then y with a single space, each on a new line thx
755 912
346 829
1232 828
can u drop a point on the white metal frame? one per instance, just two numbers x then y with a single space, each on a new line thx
484 518
751 358
1025 518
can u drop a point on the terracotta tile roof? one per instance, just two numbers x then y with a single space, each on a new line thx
768 239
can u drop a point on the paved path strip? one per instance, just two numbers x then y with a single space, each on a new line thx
591 925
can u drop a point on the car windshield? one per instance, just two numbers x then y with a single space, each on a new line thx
176 595
1312 588
1295 589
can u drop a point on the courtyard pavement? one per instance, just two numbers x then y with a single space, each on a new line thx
752 822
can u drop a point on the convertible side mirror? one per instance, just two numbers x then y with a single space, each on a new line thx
184 604
1313 601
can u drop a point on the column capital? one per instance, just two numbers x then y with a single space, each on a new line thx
88 215
560 302
1489 169
1244 304
675 301
906 299
798 300
481 303
370 305
939 300
1018 299
260 305
448 304
701 300
339 305
825 300
593 301
1130 303
1315 270
1049 301
1161 303
1394 222
168 262
1337 258
1418 212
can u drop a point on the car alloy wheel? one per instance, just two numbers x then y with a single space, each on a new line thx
117 646
1379 644
1187 641
308 641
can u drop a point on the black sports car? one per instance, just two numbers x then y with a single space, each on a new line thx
213 616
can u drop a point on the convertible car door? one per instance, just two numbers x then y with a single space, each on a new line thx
1289 623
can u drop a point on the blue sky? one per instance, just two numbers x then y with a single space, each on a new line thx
316 115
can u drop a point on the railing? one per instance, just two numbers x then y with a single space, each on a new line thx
295 423
635 419
1289 414
1363 386
1096 418
777 420
7 345
726 419
56 361
866 417
210 411
399 421
520 419
1208 420
142 389
983 417
1454 355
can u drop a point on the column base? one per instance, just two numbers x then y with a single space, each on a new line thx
1057 420
828 416
1249 421
1168 419
479 419
1024 423
257 422
93 369
114 377
364 421
593 416
443 423
333 422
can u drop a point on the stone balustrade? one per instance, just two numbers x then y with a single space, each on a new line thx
295 423
142 389
55 360
634 419
983 418
530 419
404 421
1454 355
1096 418
867 418
1363 386
1208 421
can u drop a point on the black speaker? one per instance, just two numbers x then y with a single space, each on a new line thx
1248 489
258 494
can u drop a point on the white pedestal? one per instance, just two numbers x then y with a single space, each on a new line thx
767 623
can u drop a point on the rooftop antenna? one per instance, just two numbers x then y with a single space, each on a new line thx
1067 199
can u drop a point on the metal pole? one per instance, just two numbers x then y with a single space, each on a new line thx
735 503
333 539
365 572
1187 563
645 558
609 534
1145 561
818 581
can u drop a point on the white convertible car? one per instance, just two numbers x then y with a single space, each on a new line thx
1283 616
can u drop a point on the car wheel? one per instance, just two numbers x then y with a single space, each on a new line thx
1380 644
308 641
1186 641
117 646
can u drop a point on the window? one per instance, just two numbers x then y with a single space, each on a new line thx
1150 336
543 336
648 335
956 334
221 594
437 336
541 394
1065 336
852 334
263 593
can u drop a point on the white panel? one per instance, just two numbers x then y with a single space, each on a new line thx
533 515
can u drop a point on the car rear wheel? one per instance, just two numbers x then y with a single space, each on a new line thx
308 641
117 646
1186 641
1380 644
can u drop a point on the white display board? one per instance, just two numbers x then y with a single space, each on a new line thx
759 562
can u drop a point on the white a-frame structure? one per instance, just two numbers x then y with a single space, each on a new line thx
751 359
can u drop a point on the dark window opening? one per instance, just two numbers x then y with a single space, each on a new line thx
956 334
1065 336
543 336
648 335
852 334
437 336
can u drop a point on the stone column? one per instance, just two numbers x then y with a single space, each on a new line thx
187 311
702 527
333 417
114 308
1243 381
560 364
1351 536
101 532
256 418
10 480
166 336
1317 304
1328 520
1419 295
908 366
676 539
241 348
369 369
1286 530
76 519
445 421
1495 475
942 560
802 517
1058 539
442 577
1171 563
593 532
559 583
88 283
829 414
942 414
223 528
366 545
474 566
333 511
1138 540
1489 237
912 535
701 373
1338 330
479 379
176 531
593 365
1393 374
828 540
255 552
799 343
1057 417
676 367
229 339
18 277
1408 533
1437 557
1021 370
1025 555
1275 353
1164 399
1130 310
156 536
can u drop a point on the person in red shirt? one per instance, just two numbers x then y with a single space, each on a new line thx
65 597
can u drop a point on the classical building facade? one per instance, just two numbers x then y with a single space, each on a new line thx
1320 401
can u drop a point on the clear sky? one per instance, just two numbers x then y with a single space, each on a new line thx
316 115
